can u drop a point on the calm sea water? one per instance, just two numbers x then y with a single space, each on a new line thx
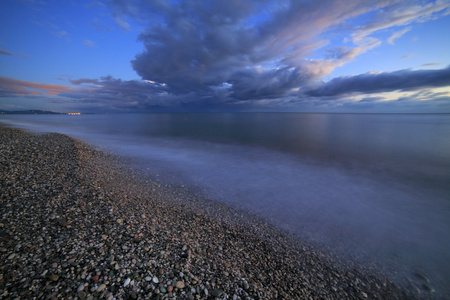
372 185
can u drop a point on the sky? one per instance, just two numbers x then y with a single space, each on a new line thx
110 56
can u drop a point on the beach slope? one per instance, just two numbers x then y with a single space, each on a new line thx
77 223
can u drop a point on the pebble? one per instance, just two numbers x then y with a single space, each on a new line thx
81 287
180 285
82 294
245 285
155 279
54 277
127 282
101 287
217 293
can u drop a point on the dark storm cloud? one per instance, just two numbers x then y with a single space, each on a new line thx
195 45
117 93
112 94
255 50
143 95
382 82
266 84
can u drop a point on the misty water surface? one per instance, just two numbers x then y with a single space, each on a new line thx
372 185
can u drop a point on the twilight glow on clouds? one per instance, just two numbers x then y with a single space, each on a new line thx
231 55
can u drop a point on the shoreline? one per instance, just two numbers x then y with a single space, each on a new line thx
78 223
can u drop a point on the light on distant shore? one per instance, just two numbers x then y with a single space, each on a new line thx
74 113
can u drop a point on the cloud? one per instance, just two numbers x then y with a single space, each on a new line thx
409 104
203 46
258 83
122 24
341 94
46 24
403 80
431 64
402 13
277 91
144 95
397 35
257 49
422 101
60 33
119 93
107 92
9 53
408 56
89 43
16 87
232 54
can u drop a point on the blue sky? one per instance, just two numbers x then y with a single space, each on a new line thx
165 55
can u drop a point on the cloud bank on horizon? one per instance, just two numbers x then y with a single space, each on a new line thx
257 55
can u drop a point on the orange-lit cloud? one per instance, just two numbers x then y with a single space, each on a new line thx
12 86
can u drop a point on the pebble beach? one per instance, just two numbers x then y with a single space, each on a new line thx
79 223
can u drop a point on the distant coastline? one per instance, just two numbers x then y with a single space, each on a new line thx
36 112
45 112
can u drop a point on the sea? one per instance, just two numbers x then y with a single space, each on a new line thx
371 186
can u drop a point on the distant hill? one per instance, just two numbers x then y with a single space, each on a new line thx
29 112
